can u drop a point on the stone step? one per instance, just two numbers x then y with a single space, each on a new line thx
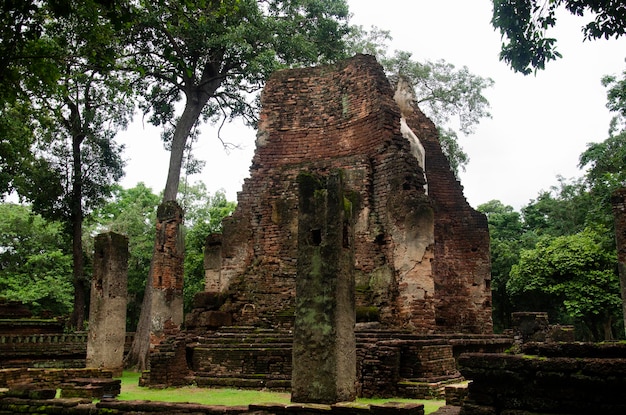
256 341
257 376
234 347
243 383
434 388
90 388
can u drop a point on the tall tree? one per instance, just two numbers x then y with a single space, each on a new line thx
523 25
213 55
76 159
27 58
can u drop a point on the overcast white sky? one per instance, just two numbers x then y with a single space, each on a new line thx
540 124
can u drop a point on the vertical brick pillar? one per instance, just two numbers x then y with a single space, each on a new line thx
324 347
618 200
167 272
107 314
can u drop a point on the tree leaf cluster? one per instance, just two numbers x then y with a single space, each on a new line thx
524 25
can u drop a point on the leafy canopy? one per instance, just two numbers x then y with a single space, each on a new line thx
523 25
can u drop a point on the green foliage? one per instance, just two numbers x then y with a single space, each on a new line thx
564 209
524 25
16 155
605 162
58 85
506 241
577 273
560 257
34 265
616 100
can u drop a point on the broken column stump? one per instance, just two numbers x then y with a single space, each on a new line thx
167 273
324 346
107 315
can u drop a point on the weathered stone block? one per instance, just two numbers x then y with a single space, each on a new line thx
107 312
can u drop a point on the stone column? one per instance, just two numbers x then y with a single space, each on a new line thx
107 314
167 273
618 200
324 347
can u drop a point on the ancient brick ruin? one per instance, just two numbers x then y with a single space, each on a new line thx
421 252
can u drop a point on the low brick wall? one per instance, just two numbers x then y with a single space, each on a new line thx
578 383
46 378
115 407
57 350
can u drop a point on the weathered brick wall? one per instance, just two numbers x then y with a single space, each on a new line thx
421 261
48 378
166 271
43 350
168 364
262 358
462 262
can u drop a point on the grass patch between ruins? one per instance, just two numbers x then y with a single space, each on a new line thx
230 397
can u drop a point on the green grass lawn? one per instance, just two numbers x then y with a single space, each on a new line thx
229 397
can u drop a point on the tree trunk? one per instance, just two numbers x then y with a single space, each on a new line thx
607 325
77 320
138 355
179 142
